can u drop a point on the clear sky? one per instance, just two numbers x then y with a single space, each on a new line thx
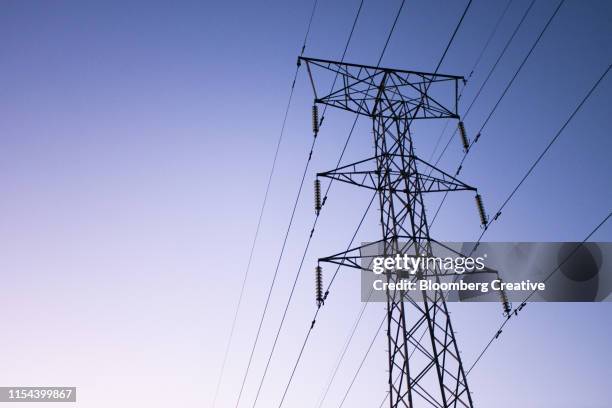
137 138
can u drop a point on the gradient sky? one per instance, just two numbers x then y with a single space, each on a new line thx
137 138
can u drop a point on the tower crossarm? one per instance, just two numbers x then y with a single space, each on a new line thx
411 94
364 173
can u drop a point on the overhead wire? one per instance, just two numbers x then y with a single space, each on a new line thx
312 230
478 59
522 305
547 148
261 211
286 236
348 390
515 189
505 91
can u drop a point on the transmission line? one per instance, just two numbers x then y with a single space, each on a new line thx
489 74
261 211
547 148
362 361
482 51
508 86
550 19
312 230
288 227
516 310
314 319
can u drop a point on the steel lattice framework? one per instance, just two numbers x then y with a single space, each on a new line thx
422 371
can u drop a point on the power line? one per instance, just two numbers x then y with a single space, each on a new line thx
448 45
261 211
353 329
508 86
489 39
515 189
312 230
284 239
268 296
550 19
512 194
314 319
548 146
362 361
516 310
489 74
342 354
478 59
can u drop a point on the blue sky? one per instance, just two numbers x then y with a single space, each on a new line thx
136 142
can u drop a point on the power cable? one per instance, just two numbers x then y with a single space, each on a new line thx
261 211
516 310
489 74
312 230
508 86
348 390
546 149
467 81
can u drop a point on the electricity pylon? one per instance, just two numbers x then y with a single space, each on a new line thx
422 371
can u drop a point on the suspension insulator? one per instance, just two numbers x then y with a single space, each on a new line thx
464 139
505 302
484 220
317 191
315 119
319 285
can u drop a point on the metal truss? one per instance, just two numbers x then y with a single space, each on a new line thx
430 371
433 179
355 257
407 93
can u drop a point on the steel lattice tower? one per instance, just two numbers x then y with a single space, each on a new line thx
423 371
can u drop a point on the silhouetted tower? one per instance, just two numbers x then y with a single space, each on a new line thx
427 371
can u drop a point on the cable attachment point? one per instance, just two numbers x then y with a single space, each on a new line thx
484 219
315 120
464 139
317 196
505 302
319 285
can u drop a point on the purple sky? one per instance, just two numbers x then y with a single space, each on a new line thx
136 142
